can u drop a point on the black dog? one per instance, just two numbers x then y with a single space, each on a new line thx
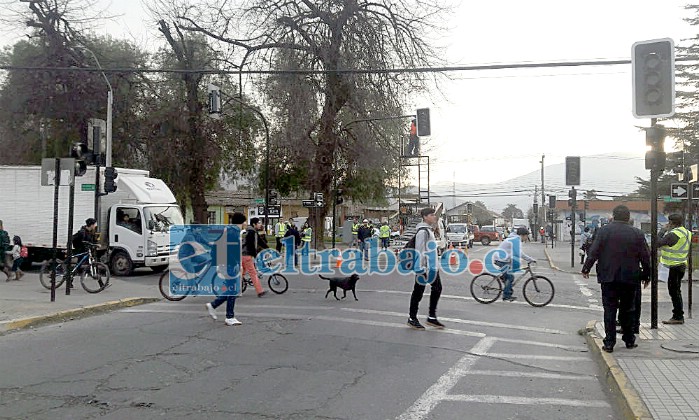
344 283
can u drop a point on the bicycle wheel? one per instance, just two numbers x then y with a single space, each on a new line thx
165 285
538 291
486 288
278 283
45 274
95 278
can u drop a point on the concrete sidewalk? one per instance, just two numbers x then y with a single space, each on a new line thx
27 303
660 378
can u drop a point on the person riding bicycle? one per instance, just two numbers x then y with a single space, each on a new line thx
505 263
83 237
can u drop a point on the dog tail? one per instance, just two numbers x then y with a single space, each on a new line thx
324 278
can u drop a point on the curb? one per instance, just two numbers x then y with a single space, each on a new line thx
555 267
629 401
70 314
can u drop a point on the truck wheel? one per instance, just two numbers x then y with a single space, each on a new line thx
121 264
158 268
485 240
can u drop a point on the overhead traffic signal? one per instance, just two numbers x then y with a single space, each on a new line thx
653 76
423 122
572 201
338 197
572 170
110 176
79 151
469 208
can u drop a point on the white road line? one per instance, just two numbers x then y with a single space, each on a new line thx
438 391
534 357
501 399
516 374
541 344
466 321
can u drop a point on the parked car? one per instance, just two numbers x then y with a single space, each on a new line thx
486 234
459 234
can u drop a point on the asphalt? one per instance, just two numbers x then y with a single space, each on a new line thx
660 378
657 380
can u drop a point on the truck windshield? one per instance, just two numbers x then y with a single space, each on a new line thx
160 219
456 229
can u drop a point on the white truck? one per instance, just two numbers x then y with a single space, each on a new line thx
26 209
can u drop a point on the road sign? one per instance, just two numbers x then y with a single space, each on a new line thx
48 171
668 199
273 210
678 190
318 196
259 201
87 187
308 203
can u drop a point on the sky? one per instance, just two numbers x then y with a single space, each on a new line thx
490 126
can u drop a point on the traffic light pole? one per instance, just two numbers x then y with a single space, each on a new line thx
572 227
690 263
655 145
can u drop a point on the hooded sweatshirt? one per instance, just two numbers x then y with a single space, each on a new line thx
423 237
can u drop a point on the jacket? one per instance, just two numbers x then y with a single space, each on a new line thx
422 237
250 242
621 254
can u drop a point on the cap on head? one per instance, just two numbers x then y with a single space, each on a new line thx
675 219
238 218
522 231
365 221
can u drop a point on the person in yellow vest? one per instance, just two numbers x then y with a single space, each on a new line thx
280 231
306 237
384 235
674 249
355 232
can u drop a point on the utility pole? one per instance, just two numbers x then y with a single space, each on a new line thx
536 213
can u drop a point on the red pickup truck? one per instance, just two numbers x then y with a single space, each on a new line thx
485 234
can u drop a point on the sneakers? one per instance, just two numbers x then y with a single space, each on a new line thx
434 322
673 321
212 311
260 295
233 322
415 324
510 299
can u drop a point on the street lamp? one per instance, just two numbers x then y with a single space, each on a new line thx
110 100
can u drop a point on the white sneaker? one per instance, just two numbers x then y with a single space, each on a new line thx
233 322
212 311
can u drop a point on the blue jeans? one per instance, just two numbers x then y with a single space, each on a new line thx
230 305
508 277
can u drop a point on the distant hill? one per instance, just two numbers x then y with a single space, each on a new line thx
610 175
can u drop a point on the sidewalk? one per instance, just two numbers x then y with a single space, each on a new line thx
660 378
26 303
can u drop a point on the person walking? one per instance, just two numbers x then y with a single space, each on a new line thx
674 250
507 245
236 219
363 236
585 242
250 242
19 252
5 249
623 261
423 236
385 235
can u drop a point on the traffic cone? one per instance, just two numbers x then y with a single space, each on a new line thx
338 261
452 256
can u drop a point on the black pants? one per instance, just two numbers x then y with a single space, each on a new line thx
674 284
618 297
419 290
279 244
635 312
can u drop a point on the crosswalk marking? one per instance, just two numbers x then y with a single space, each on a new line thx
503 399
539 375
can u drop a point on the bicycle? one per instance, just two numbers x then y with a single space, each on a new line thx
537 290
94 275
277 283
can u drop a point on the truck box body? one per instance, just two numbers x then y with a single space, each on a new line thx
27 210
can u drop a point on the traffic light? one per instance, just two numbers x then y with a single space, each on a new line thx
338 197
110 176
79 152
214 101
423 122
653 76
572 201
535 208
587 205
469 208
272 198
552 201
572 170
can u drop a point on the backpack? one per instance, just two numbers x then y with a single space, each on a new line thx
23 252
407 255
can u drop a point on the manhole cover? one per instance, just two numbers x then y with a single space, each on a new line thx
682 346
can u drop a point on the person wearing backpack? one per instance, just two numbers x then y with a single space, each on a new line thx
19 253
423 236
585 243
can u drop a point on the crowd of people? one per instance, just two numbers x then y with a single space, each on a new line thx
13 255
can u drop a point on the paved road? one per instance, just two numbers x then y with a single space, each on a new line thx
300 356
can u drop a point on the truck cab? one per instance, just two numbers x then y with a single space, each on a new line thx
138 226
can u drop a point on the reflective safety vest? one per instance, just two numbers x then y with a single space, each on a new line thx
355 228
676 254
307 233
281 229
384 231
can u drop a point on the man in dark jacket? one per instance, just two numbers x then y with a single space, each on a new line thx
250 240
293 231
623 261
86 235
363 235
